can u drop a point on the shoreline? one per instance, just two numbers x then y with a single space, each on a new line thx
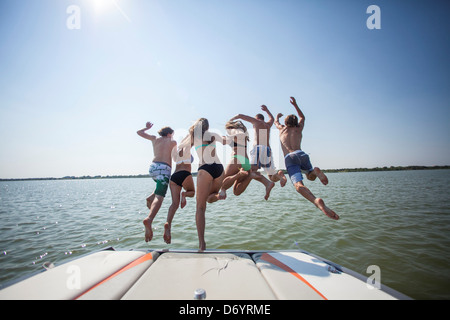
343 170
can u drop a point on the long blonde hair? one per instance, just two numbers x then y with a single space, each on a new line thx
201 125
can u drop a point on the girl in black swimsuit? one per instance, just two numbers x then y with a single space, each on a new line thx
180 179
210 172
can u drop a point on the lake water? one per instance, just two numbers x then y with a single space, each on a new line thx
399 221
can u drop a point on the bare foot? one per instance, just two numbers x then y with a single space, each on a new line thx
222 194
167 236
148 230
242 173
269 188
322 177
183 200
321 205
213 197
283 179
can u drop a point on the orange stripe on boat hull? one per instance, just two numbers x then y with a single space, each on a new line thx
132 264
267 257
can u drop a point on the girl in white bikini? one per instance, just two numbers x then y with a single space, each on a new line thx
180 179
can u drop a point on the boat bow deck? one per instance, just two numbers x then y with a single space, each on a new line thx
111 274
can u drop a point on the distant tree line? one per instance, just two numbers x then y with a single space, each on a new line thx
391 168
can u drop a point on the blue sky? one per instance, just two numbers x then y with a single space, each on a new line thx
71 101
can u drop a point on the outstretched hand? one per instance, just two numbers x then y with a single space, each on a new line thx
148 125
293 102
279 115
264 108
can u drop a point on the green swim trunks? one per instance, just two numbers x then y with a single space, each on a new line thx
160 172
245 162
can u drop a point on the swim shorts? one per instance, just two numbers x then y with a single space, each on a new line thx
179 177
245 163
261 156
296 162
160 172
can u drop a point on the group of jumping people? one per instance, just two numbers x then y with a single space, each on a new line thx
213 180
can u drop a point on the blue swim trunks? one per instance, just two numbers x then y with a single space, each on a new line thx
261 156
296 162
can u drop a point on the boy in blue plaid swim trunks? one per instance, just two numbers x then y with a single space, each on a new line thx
159 170
297 161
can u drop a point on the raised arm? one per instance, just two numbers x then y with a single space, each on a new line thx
226 140
245 118
301 120
277 122
144 135
271 119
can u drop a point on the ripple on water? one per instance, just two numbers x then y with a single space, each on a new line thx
386 220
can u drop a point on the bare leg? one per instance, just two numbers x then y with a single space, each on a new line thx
150 200
216 185
188 185
232 173
156 205
184 194
318 202
266 182
317 173
242 182
175 192
204 183
279 176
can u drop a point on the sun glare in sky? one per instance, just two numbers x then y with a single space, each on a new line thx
101 6
82 76
106 6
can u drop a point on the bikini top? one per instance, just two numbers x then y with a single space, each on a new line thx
205 145
186 161
236 145
239 135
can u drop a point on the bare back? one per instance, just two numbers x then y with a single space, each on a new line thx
262 132
291 134
290 138
206 150
162 149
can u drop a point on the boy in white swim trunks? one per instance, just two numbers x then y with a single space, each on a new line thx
261 154
297 161
160 170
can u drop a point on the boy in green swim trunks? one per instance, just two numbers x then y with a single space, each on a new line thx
160 170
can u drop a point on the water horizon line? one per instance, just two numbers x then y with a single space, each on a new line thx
341 170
